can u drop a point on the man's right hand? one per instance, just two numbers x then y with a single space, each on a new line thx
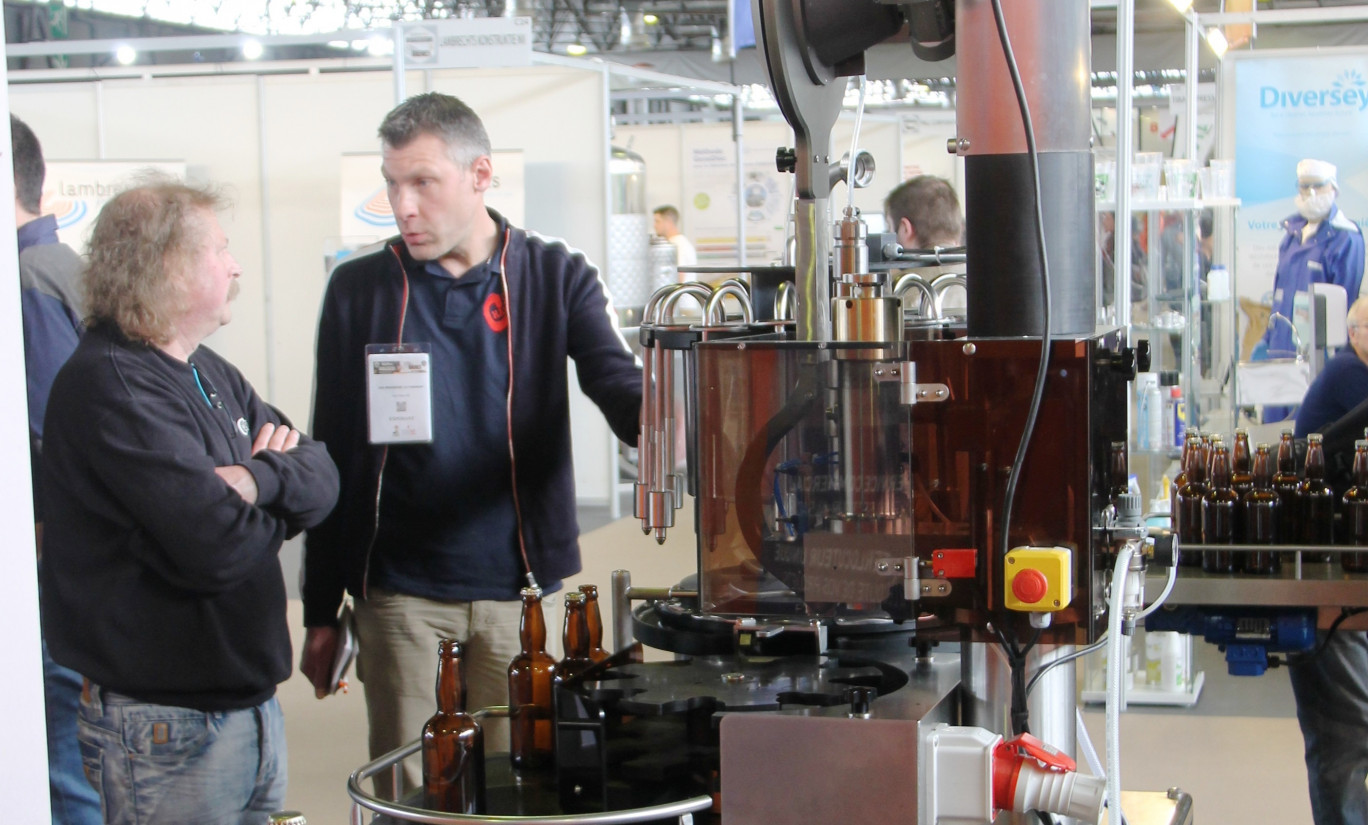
320 648
281 438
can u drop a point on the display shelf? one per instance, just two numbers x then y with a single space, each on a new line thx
1146 695
1145 676
1165 205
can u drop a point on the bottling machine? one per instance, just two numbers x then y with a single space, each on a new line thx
870 485
874 485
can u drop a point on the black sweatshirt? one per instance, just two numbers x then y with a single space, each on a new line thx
159 581
558 310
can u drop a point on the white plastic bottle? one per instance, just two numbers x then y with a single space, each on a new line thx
1154 653
1146 416
1173 662
1154 408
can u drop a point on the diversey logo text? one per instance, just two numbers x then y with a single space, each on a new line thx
1348 91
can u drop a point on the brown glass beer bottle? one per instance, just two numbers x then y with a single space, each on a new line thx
591 614
1262 506
453 744
530 676
1356 512
1218 514
1241 463
1317 502
1189 441
1190 497
1285 485
576 639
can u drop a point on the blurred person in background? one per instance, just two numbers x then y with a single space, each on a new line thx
666 220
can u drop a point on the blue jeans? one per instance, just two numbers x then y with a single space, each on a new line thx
161 764
1332 707
74 801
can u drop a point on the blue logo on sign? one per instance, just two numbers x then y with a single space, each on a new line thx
1348 91
375 210
70 212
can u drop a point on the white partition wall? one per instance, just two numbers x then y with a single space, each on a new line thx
275 142
25 761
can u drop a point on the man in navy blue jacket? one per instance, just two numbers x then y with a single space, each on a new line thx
1343 384
1330 688
469 497
49 297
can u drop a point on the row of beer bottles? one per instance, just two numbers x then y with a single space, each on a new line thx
453 742
1225 497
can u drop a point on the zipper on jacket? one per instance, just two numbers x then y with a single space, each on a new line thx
384 456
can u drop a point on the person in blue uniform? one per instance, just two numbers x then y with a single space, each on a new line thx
1321 246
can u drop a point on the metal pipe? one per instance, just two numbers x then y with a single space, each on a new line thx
811 269
929 304
941 285
698 291
713 312
783 301
651 313
408 813
619 583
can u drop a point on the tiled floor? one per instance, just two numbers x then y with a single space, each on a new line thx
1238 752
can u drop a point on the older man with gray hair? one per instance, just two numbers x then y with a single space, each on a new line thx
170 487
1343 384
1321 246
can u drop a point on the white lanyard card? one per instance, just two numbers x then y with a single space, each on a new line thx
399 393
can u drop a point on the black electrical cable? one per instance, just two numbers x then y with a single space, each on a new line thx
1020 713
1016 661
1334 626
1077 654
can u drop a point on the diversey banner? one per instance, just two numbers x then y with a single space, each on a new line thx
1291 105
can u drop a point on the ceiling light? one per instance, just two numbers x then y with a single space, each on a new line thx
125 54
252 49
1216 39
576 49
1181 5
379 46
650 19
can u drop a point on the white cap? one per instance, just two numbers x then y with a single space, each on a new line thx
1318 170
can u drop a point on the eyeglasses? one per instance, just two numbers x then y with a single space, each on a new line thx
1314 187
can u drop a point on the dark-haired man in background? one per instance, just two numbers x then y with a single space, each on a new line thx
49 298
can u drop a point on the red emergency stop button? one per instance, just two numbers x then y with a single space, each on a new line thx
1030 586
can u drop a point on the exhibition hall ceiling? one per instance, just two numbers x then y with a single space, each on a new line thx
682 37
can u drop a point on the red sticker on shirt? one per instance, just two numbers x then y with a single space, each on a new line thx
494 313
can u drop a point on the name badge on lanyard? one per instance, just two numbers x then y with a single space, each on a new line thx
399 393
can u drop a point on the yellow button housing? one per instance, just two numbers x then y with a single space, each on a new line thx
1054 564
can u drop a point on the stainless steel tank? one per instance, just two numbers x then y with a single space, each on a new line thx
630 277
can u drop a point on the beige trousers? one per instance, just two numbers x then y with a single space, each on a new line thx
397 663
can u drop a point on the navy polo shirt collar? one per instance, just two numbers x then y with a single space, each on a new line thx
38 232
482 271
